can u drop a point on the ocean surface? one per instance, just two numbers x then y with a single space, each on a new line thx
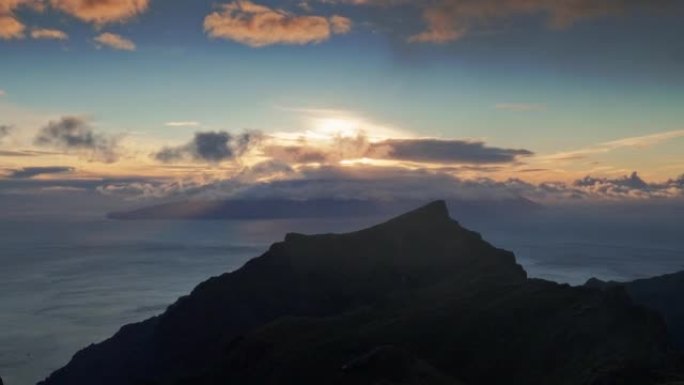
67 283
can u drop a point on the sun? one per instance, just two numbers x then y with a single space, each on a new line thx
330 128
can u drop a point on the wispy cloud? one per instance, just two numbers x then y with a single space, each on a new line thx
643 141
257 25
115 41
182 124
3 93
31 172
45 33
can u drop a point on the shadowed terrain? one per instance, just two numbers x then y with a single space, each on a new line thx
663 294
416 300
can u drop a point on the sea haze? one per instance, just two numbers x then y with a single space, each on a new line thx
70 282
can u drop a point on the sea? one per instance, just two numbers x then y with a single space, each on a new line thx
68 282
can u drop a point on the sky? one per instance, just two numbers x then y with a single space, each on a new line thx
142 100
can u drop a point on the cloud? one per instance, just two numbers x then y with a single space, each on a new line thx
643 141
2 93
257 25
102 12
277 180
115 41
11 27
423 150
296 154
371 183
182 124
30 172
444 151
449 20
395 183
632 181
5 131
211 147
99 12
145 190
44 33
17 153
74 135
592 189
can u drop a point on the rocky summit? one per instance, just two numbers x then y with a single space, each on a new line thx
416 300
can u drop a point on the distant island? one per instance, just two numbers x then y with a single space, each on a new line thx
417 300
245 209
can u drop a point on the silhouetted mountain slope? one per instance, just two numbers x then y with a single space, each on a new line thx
416 300
665 294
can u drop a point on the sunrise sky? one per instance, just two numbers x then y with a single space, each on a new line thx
155 99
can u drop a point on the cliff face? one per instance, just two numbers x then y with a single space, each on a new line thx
416 300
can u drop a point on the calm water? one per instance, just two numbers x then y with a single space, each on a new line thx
66 284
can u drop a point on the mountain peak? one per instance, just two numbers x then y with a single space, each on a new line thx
431 214
433 210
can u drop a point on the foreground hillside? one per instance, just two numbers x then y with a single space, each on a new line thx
664 294
415 300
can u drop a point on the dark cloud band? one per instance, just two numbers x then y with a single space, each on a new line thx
211 147
30 172
74 135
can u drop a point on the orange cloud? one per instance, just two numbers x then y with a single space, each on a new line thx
45 33
257 25
99 12
115 41
102 11
449 20
8 6
11 28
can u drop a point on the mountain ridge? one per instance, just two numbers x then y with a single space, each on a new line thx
663 294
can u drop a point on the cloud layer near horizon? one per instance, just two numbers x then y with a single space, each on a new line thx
31 172
392 183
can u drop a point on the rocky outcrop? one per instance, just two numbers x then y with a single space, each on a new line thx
664 294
